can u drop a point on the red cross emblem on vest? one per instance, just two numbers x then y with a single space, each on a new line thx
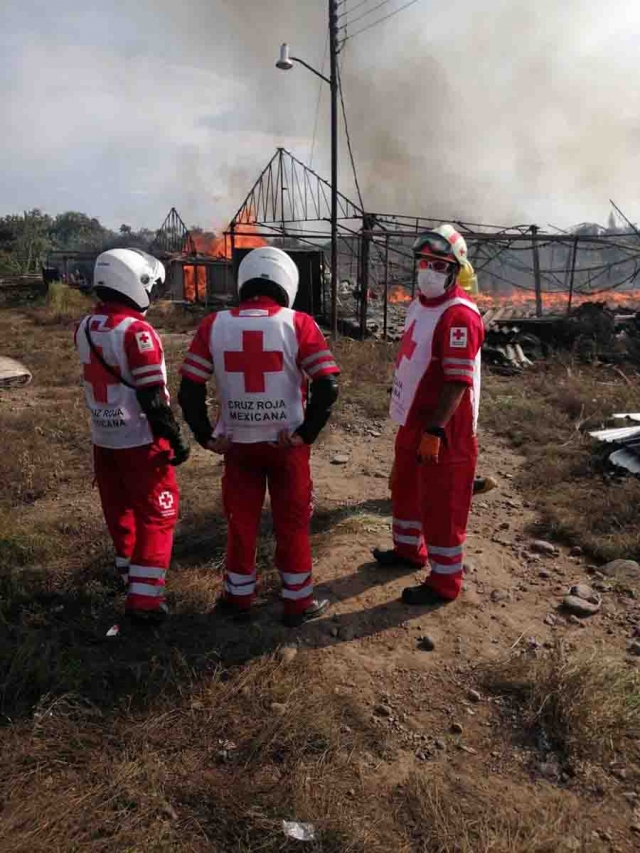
253 361
99 378
408 346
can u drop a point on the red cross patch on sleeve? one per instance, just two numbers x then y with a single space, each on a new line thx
458 337
144 341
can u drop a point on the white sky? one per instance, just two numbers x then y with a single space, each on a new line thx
486 110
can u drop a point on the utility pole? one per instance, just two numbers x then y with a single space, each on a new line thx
285 63
536 270
333 50
573 273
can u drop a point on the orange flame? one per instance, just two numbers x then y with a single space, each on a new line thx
194 279
558 302
398 294
209 245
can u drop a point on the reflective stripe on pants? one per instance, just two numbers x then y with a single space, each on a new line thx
140 500
249 468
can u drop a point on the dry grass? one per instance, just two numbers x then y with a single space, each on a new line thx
175 317
447 813
170 741
547 413
63 305
583 707
367 371
215 769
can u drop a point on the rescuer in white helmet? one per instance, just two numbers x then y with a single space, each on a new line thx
137 441
263 354
435 398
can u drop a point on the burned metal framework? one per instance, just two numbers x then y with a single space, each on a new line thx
290 205
173 237
586 262
288 193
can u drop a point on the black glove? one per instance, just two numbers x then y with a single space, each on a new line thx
181 451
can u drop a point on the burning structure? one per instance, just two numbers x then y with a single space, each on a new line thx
199 264
538 274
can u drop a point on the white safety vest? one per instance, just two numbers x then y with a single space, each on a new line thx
257 377
410 371
117 421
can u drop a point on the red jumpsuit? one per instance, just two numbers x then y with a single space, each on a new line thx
431 502
138 488
262 356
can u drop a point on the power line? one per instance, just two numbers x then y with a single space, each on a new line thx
353 9
320 88
364 14
380 20
347 134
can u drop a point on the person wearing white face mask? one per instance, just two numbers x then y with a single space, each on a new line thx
435 397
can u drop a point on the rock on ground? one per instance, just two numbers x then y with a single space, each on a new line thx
627 570
582 600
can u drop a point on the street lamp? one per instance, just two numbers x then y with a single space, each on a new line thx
285 63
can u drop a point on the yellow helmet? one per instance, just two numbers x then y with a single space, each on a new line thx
467 279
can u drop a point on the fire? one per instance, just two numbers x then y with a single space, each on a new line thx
558 302
398 294
192 278
220 247
209 246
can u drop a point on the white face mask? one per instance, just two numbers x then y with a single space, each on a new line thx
431 283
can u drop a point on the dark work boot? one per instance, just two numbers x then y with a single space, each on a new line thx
224 607
422 595
393 559
315 609
149 617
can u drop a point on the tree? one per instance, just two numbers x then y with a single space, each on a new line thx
78 232
25 240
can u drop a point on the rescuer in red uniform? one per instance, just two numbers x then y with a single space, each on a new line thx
135 436
435 398
262 355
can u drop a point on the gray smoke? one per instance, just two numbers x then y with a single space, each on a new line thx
483 110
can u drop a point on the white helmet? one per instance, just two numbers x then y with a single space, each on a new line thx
457 241
271 264
131 272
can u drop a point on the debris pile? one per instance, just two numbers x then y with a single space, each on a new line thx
515 336
625 441
13 374
510 343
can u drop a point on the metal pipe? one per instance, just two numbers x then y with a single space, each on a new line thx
386 291
333 46
536 270
573 271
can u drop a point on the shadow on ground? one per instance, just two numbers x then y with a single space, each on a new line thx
53 641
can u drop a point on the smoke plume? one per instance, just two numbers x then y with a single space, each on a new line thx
501 111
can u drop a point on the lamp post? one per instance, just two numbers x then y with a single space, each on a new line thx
285 63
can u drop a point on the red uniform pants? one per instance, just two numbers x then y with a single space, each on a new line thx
139 496
248 470
431 506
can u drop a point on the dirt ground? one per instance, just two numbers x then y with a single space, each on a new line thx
428 711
